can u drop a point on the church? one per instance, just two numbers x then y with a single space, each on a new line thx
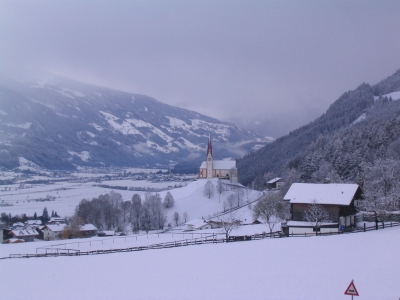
224 169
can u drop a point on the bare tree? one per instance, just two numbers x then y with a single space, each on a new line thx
176 218
185 216
316 214
169 200
208 189
229 222
136 212
381 190
231 201
271 209
239 196
220 186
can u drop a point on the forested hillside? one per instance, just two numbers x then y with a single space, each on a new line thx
359 128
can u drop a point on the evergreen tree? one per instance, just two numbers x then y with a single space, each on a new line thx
45 216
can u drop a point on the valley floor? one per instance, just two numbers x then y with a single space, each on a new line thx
288 268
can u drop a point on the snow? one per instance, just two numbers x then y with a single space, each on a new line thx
84 155
88 227
23 126
90 134
70 93
306 224
393 95
338 194
196 223
97 127
287 268
360 118
126 128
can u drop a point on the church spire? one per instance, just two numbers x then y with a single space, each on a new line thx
209 147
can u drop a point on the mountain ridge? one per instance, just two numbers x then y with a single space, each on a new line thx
56 123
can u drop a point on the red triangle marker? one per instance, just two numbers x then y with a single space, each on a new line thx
351 290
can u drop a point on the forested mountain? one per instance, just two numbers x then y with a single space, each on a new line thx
359 128
60 124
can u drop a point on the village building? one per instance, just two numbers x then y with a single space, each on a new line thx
224 169
275 183
52 232
197 224
88 230
28 235
336 199
33 223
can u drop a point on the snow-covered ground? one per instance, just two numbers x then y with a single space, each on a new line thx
288 268
67 195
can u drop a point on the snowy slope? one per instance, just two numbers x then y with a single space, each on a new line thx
288 268
67 195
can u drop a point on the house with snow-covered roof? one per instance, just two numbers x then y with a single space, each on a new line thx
28 235
275 183
52 231
88 230
224 169
197 224
336 199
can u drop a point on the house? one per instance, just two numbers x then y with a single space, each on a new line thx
225 169
275 183
106 233
88 230
55 220
197 224
33 223
52 231
336 199
28 235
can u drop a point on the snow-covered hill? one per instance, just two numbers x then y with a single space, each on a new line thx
287 268
60 123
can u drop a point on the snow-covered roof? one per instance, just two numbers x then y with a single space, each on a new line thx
33 222
333 193
18 224
274 180
88 227
24 232
220 164
55 227
12 241
56 219
196 223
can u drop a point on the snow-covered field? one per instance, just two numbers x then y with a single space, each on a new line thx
67 195
287 268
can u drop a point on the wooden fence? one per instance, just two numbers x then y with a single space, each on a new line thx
355 230
210 239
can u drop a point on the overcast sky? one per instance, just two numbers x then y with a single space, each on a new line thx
281 63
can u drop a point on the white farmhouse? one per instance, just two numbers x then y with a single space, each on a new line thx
52 231
197 224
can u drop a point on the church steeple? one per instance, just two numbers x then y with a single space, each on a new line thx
209 147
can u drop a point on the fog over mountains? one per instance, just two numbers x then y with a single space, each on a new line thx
59 123
359 129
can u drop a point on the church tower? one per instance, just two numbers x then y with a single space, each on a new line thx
209 160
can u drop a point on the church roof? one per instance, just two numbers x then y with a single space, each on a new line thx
220 164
